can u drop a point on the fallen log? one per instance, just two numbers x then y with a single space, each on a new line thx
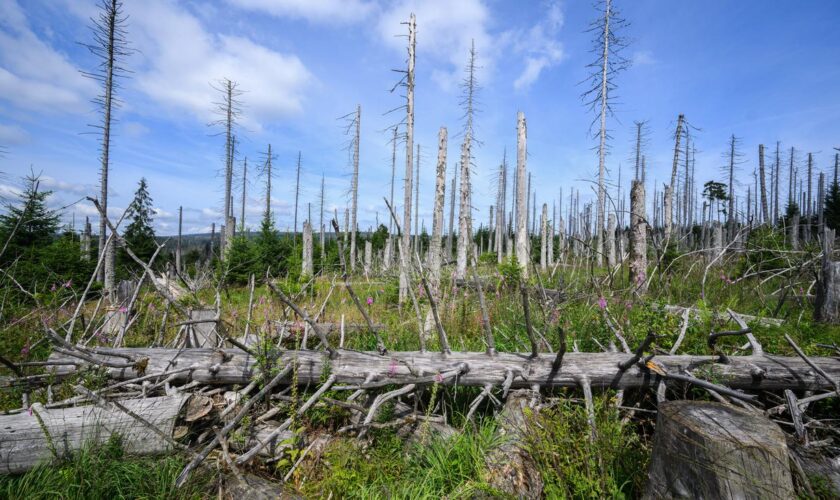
703 449
357 369
31 438
298 327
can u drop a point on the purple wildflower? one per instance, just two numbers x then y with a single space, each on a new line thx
602 302
370 301
123 309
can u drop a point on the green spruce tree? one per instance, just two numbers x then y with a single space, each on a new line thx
139 235
28 225
832 206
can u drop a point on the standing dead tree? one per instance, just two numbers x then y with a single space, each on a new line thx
607 45
354 124
468 102
501 205
297 200
669 189
408 81
437 213
110 48
268 173
229 109
521 196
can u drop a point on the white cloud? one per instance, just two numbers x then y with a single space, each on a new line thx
12 134
539 46
34 75
642 58
179 59
134 129
54 184
330 11
445 30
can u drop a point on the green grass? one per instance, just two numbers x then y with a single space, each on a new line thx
105 473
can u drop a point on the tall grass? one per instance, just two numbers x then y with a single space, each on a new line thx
104 472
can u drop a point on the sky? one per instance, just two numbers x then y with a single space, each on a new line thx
765 71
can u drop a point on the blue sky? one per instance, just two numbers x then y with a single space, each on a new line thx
765 71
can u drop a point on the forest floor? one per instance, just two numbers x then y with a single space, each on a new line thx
386 464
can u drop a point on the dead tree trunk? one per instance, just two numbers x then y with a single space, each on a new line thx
435 249
475 368
462 249
521 195
178 256
354 189
86 236
544 238
297 200
638 237
669 189
610 241
29 439
827 305
765 214
712 450
368 257
307 268
409 163
451 227
501 204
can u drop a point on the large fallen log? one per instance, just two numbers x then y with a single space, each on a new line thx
42 435
703 449
356 369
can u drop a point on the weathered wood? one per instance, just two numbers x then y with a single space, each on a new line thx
234 366
522 255
31 438
672 309
710 450
510 468
827 305
638 237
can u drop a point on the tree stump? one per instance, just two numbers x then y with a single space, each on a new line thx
711 450
510 468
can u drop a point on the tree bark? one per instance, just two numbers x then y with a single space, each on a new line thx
477 369
409 160
354 188
669 190
435 248
307 267
510 468
521 195
704 449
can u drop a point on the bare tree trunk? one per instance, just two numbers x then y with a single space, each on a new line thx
268 176
638 237
409 160
602 138
827 304
417 201
368 257
610 243
544 238
669 190
354 189
229 153
244 194
464 214
178 256
109 52
765 214
86 236
307 268
521 195
500 210
321 225
297 199
437 214
451 233
776 181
